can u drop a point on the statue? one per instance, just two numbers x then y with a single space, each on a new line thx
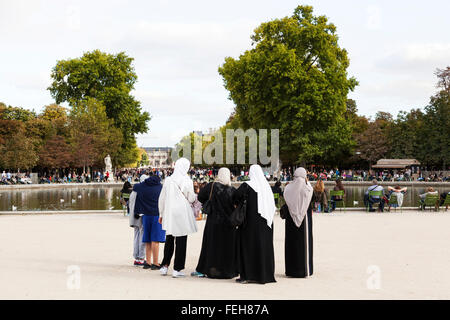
108 169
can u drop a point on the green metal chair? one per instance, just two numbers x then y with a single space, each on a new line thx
393 201
276 197
446 201
339 203
430 200
374 194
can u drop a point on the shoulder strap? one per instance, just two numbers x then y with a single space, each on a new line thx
210 193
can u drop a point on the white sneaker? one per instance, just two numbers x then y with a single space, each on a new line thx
178 274
163 271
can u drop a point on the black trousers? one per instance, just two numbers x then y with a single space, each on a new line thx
180 244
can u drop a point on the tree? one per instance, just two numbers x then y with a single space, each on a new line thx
405 135
91 134
372 143
17 151
294 79
444 79
56 153
145 161
109 79
15 113
437 130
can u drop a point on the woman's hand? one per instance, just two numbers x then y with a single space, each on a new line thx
160 220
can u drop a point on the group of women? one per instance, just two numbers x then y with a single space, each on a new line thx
246 251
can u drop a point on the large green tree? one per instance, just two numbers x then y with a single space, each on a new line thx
294 79
109 79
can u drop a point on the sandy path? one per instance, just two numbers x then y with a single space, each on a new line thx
410 250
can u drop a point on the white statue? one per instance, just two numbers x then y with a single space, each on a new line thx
108 168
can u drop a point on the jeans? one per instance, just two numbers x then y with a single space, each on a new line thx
138 245
370 201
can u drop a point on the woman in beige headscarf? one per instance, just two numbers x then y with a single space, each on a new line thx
218 257
297 211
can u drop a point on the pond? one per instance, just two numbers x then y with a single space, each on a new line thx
107 197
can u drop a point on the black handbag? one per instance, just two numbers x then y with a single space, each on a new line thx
284 211
207 207
237 217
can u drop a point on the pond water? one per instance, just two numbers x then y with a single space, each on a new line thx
107 198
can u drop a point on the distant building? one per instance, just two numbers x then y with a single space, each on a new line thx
159 157
401 164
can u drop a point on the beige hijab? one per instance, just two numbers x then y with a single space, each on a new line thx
298 195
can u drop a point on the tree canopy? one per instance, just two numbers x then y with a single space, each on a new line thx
109 79
294 79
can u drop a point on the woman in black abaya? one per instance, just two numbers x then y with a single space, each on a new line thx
218 257
257 261
297 211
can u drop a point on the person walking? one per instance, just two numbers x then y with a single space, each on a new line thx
177 216
256 257
218 257
298 246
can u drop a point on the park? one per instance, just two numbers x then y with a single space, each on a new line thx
286 86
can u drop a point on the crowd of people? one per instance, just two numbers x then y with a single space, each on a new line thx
237 175
9 178
238 234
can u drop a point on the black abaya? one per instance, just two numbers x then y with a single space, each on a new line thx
218 257
298 247
257 261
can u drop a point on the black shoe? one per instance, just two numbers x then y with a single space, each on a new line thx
147 266
240 280
155 267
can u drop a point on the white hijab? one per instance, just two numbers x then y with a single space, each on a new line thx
175 201
298 195
179 174
266 202
224 176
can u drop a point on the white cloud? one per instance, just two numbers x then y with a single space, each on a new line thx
373 17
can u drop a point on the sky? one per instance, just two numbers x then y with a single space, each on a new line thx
394 48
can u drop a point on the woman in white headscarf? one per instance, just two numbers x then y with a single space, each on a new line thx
256 254
218 257
298 248
176 216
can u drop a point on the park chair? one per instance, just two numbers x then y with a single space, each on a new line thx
339 203
374 194
446 201
393 201
276 197
430 200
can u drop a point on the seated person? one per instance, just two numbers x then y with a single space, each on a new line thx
374 199
277 189
320 196
443 196
338 187
430 191
399 192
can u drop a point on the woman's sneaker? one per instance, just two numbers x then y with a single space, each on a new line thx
163 271
197 274
139 262
178 274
